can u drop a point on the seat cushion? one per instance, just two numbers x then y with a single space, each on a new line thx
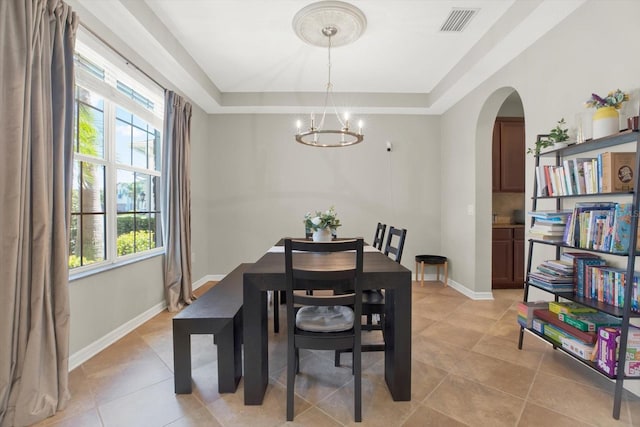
325 319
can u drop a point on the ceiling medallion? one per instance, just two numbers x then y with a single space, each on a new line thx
329 24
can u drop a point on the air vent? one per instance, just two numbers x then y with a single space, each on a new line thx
458 19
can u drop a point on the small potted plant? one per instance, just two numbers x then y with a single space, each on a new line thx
557 138
322 224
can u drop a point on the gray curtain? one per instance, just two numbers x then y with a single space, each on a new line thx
176 201
37 39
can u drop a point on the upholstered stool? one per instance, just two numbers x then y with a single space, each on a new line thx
436 260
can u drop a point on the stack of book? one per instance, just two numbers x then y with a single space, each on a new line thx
553 275
549 225
525 311
574 340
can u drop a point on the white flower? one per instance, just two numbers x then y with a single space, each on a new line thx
315 220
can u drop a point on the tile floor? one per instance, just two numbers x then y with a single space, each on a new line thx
467 371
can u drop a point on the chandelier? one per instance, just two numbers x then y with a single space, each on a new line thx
330 23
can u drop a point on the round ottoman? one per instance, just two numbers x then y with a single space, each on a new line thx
437 260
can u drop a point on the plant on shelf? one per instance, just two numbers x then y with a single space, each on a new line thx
613 99
321 220
557 135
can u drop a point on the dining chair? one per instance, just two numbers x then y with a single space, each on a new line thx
329 318
373 300
378 238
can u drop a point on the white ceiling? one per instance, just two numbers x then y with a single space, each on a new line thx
243 56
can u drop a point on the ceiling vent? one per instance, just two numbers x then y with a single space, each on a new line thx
458 19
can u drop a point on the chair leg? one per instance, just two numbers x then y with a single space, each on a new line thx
337 358
276 311
290 382
446 273
357 383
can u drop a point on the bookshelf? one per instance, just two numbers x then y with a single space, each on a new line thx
567 201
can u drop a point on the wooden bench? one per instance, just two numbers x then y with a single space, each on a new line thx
217 312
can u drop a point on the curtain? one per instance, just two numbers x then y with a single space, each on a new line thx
37 39
176 201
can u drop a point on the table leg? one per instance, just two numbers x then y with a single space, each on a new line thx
397 358
181 359
256 359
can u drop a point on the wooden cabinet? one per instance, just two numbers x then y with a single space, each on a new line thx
507 258
508 155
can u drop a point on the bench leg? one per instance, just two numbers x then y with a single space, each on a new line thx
229 342
181 359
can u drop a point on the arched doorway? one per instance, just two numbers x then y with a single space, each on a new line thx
491 109
508 195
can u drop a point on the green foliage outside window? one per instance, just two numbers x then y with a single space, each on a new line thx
135 241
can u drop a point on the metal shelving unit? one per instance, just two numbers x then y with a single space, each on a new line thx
625 312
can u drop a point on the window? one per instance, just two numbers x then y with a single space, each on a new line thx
115 204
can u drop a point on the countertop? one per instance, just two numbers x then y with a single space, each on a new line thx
507 225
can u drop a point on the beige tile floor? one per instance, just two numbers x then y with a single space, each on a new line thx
466 371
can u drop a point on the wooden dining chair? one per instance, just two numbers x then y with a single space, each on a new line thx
324 320
373 300
378 238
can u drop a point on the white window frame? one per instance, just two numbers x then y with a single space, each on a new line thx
113 98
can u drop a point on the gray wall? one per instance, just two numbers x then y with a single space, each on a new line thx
261 183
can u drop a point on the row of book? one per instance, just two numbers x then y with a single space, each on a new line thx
602 226
587 276
590 175
584 332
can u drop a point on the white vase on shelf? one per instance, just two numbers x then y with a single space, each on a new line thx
322 235
606 122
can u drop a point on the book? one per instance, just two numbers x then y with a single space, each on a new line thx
578 172
552 318
589 322
621 229
569 307
577 348
617 171
582 280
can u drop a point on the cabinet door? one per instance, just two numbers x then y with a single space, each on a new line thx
495 155
502 256
512 156
518 256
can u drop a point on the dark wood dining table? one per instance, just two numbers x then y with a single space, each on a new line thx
379 272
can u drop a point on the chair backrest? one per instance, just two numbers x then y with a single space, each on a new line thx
335 265
395 249
378 238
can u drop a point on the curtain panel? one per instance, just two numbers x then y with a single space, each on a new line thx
176 201
37 39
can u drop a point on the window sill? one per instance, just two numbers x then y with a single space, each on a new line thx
101 268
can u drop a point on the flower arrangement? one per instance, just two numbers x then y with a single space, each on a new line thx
613 99
322 220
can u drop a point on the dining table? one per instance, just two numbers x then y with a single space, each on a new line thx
379 272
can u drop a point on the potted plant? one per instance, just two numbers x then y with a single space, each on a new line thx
322 224
606 118
557 138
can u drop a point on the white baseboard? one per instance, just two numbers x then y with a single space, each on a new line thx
207 278
469 293
81 356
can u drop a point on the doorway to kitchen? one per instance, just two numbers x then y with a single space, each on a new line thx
508 195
